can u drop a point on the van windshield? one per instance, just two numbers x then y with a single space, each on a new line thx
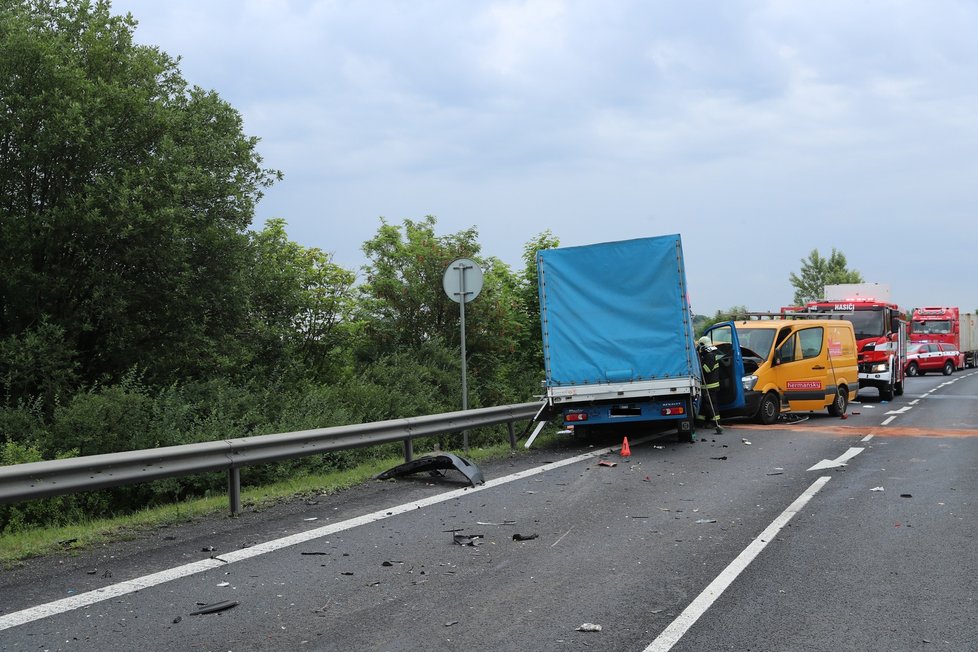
757 340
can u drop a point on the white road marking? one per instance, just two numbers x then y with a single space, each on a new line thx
63 605
839 461
905 408
887 420
677 628
866 438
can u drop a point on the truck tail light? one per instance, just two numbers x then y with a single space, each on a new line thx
673 411
575 416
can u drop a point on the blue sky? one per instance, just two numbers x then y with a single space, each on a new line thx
759 130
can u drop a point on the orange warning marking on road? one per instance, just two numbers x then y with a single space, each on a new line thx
877 431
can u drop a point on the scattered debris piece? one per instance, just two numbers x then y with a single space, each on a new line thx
311 518
607 463
490 523
214 608
855 413
707 520
347 573
657 447
589 627
746 443
719 458
906 495
776 473
877 489
451 622
392 563
208 549
468 539
177 619
433 464
224 584
315 552
92 572
524 537
648 479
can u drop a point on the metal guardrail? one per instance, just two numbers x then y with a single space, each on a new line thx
33 480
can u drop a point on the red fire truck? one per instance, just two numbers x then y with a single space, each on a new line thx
881 332
947 325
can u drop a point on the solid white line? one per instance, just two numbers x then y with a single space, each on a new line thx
866 438
887 420
677 628
63 605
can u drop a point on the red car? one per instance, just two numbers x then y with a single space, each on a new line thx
931 356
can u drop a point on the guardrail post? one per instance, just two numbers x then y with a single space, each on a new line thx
512 435
234 490
408 450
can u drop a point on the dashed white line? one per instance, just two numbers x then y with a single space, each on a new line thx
887 420
677 628
866 438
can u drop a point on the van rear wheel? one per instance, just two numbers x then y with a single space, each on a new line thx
769 410
841 402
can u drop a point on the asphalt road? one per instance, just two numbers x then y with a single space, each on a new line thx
826 534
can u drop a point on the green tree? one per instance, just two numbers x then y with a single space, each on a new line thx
302 305
404 306
402 295
734 313
125 196
817 272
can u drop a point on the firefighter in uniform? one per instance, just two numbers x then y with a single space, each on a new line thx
709 359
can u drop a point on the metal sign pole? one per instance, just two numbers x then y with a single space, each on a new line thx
465 389
463 282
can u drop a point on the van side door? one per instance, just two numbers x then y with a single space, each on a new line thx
802 369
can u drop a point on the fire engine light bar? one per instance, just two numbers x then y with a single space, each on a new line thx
672 411
575 416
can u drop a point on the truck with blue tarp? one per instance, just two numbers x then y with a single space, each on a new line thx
618 341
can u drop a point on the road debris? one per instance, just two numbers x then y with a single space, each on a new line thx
746 443
877 489
707 520
607 463
524 537
468 539
589 627
214 608
906 495
491 523
434 464
719 458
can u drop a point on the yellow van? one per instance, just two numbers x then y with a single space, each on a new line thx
785 365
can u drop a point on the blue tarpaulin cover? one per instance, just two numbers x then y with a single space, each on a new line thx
616 312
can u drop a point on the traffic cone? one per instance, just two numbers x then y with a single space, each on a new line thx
625 450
